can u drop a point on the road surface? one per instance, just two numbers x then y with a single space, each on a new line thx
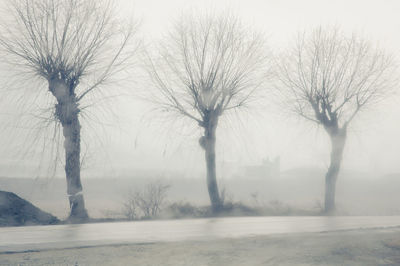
34 238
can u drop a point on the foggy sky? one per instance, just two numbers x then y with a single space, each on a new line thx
131 138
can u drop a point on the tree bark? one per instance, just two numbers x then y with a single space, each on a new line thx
67 111
338 140
208 143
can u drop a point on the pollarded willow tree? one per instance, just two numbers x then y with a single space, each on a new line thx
329 79
208 65
75 46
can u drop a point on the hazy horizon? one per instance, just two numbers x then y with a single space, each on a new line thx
130 137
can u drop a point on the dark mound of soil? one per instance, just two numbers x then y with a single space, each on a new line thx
15 211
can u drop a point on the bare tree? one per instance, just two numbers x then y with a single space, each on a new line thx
207 66
328 79
146 203
75 46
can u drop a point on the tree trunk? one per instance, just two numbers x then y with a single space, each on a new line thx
208 143
67 113
338 140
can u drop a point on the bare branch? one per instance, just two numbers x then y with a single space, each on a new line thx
208 64
67 39
330 77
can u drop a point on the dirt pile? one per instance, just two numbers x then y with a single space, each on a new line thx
15 211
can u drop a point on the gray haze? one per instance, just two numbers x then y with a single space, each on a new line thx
128 139
125 180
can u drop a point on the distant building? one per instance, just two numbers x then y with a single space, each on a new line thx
267 169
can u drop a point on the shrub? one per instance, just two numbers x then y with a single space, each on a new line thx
146 203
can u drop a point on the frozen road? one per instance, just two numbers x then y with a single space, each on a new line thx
16 239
